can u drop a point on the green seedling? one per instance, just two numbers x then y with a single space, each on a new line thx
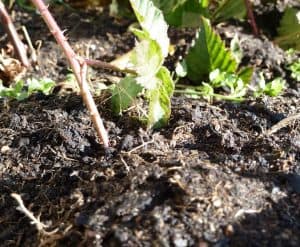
272 88
295 70
232 84
209 58
21 90
151 78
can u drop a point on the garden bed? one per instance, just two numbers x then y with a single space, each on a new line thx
218 174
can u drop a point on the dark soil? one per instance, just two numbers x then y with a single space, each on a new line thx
215 176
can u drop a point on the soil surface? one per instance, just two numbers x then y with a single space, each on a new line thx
220 174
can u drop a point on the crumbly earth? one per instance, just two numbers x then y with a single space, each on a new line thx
215 176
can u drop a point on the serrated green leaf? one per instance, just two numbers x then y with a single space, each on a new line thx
230 9
152 22
208 53
160 100
124 94
289 30
146 59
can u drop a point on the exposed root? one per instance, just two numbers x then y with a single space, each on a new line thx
283 123
40 226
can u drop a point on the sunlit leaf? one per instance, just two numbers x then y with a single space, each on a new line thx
146 60
275 87
208 53
289 30
152 21
124 94
183 13
160 100
295 69
44 85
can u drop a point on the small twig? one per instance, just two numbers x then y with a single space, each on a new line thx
32 50
78 66
104 65
36 221
251 17
125 163
13 36
139 147
246 211
283 123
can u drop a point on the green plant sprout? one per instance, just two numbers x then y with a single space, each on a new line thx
152 79
272 88
295 70
209 59
234 85
231 83
21 90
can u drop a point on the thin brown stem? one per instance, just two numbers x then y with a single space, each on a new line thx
78 66
13 35
105 65
283 123
251 17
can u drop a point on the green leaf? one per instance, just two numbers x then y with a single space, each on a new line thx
295 69
160 100
168 6
207 90
246 74
152 22
289 30
275 87
44 85
181 69
216 78
146 60
235 87
230 9
14 91
207 54
236 49
272 88
124 94
19 92
183 13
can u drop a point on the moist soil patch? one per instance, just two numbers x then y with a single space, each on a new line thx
219 174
